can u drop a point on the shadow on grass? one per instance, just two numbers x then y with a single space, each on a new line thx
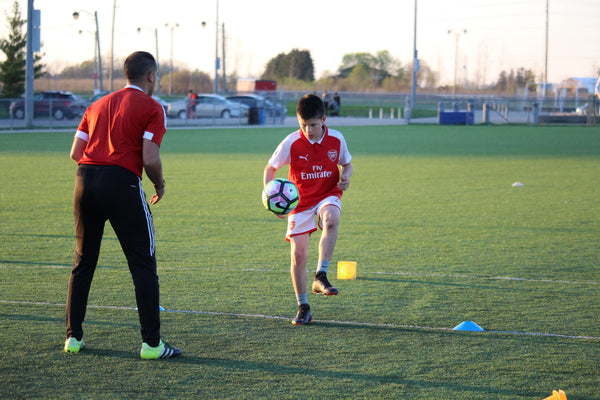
61 320
422 282
72 237
277 369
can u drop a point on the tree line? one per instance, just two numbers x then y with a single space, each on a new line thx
12 70
295 70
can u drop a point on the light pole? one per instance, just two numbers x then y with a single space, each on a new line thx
95 15
415 68
157 63
223 52
546 57
112 46
217 49
29 71
457 35
95 60
217 59
217 64
172 27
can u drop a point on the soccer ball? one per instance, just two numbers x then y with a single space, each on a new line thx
280 196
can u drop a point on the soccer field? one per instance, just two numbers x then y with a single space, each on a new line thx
439 234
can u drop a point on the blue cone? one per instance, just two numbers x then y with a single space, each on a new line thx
468 326
160 308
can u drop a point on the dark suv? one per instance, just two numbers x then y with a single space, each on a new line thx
56 104
253 101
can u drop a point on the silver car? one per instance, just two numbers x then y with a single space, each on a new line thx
207 106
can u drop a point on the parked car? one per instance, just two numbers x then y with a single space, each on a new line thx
55 104
102 94
251 100
208 105
161 102
274 109
96 97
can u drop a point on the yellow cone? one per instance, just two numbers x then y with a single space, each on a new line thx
560 395
346 270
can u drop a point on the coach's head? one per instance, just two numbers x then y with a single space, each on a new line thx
140 69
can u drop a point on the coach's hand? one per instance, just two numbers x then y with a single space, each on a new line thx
160 192
156 197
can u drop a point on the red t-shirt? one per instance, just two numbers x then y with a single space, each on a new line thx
115 125
313 166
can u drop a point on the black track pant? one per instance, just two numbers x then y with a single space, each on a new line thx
115 194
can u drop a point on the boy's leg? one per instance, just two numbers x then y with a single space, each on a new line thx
299 257
330 219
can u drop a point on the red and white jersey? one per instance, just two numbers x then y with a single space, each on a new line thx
313 165
115 125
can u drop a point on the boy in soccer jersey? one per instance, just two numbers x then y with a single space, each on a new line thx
314 154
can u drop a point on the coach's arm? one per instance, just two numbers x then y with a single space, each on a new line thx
153 168
77 149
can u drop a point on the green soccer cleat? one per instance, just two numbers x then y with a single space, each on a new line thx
73 345
163 350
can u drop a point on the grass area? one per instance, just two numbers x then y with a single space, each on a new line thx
439 234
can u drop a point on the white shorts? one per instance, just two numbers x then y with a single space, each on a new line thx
304 222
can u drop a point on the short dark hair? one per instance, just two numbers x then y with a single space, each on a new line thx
138 64
310 106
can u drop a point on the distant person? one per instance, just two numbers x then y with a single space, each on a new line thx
320 166
118 137
326 102
190 103
335 105
337 100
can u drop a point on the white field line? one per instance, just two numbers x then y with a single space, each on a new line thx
430 274
504 278
336 322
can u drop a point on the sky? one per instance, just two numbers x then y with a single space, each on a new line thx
500 34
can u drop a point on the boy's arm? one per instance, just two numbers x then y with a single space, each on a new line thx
345 176
269 174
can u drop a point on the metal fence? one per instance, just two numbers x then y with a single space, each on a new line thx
515 109
494 109
50 117
486 108
47 118
431 101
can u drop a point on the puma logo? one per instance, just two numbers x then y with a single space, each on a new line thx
305 158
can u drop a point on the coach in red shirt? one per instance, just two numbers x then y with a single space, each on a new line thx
118 137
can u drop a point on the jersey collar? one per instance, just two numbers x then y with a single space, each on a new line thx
325 131
130 86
